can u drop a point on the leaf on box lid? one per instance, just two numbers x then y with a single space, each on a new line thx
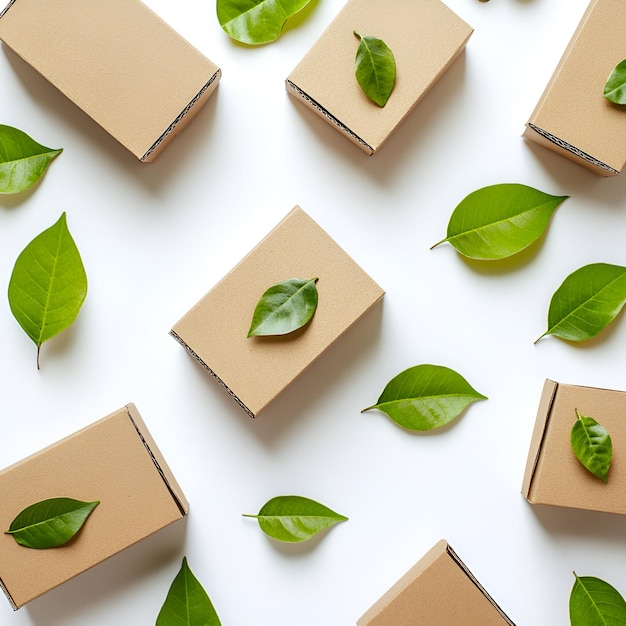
375 68
615 87
50 523
592 445
425 397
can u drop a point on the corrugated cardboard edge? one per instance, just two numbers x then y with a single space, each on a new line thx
182 118
157 458
417 570
6 8
222 384
541 425
548 140
8 595
296 92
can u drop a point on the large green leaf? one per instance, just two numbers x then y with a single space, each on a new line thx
587 301
256 21
294 518
615 88
498 221
375 69
593 602
284 307
50 523
48 284
592 445
187 603
23 161
424 397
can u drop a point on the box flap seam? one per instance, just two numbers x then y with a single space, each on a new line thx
190 350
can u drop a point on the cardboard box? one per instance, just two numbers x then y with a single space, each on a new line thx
116 461
438 591
118 61
572 117
255 370
553 473
425 37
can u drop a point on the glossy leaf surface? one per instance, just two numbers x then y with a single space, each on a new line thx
587 301
187 603
50 523
48 284
23 161
375 69
284 307
593 602
424 397
294 518
592 445
256 21
499 221
615 88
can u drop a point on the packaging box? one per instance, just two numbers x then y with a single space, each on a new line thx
118 61
553 473
116 461
255 370
438 591
572 117
425 36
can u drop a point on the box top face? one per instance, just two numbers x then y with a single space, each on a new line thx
424 36
256 369
572 107
439 591
117 60
559 478
107 461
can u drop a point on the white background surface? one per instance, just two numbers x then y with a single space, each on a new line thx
154 238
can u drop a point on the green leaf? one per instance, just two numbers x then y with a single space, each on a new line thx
23 161
256 21
586 302
593 602
424 397
592 445
50 523
615 88
294 518
499 221
284 307
375 69
48 284
187 603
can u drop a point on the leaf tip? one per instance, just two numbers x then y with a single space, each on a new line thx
356 34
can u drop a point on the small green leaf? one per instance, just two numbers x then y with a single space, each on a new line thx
592 445
284 307
48 284
50 523
256 21
593 602
424 397
375 69
23 161
294 518
499 221
615 88
187 603
586 302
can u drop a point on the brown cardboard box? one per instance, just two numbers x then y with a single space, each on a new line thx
572 117
438 591
255 370
425 37
118 61
116 461
553 473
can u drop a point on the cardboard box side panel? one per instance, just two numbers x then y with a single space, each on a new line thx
572 115
257 369
543 413
157 458
560 479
